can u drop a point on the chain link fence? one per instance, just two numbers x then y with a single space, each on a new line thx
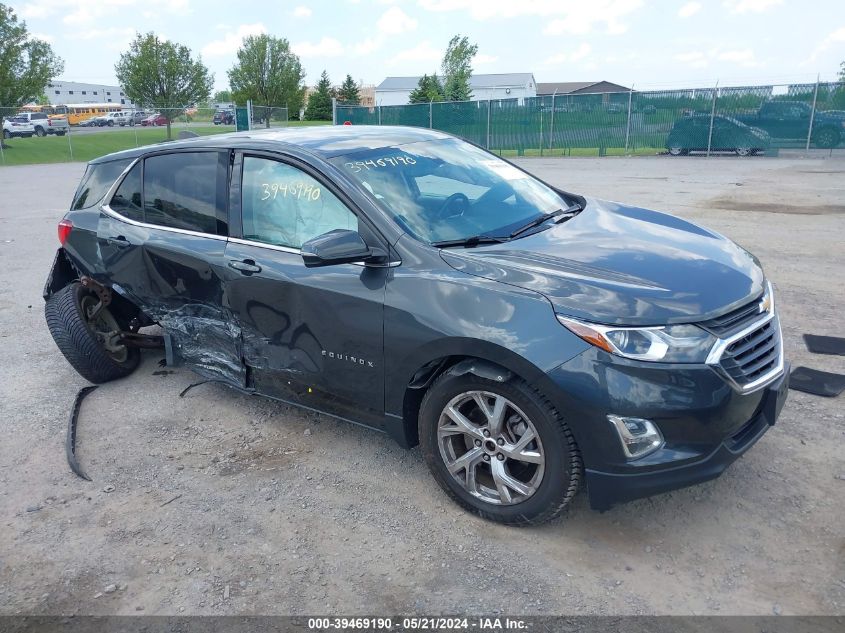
55 134
739 119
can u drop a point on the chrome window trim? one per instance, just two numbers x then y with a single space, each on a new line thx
714 358
144 225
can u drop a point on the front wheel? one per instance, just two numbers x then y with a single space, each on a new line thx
85 335
500 450
827 138
7 134
743 151
677 150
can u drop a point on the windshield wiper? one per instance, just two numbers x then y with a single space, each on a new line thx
469 242
568 211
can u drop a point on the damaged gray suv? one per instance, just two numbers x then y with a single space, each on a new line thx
528 338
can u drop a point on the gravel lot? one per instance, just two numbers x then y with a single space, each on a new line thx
218 503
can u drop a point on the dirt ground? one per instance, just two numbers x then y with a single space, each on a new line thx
218 503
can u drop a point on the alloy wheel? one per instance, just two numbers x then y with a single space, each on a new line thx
491 448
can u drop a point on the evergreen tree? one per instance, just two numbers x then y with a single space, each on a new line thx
348 93
320 102
428 89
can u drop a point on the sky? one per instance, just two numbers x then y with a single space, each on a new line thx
651 44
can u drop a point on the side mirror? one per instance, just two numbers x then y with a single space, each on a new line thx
340 246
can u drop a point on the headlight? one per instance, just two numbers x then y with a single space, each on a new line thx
669 344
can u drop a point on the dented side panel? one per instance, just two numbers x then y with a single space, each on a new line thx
175 278
312 335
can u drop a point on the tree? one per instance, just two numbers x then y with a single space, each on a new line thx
27 64
268 73
163 75
320 102
457 69
428 89
222 96
838 99
348 93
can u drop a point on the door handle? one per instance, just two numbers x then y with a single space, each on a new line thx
247 266
120 241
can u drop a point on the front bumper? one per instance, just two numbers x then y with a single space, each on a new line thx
608 489
706 424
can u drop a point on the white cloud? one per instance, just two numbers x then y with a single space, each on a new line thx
689 9
395 21
85 14
231 41
484 59
562 16
570 56
367 46
835 37
302 12
701 59
751 6
744 57
326 47
581 18
44 37
422 52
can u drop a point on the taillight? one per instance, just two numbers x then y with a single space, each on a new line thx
65 227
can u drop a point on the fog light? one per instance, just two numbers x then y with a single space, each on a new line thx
639 437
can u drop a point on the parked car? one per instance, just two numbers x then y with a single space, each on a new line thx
530 339
223 117
44 124
138 116
154 119
120 117
17 127
692 134
791 120
90 122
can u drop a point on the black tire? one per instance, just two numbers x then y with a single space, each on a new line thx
39 132
827 138
75 338
562 469
677 150
60 133
111 123
7 134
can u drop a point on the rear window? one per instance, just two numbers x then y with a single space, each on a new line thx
186 190
96 182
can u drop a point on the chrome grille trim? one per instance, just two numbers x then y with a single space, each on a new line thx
760 350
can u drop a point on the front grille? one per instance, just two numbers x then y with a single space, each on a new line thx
754 355
734 320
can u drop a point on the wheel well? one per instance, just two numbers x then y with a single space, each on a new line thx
425 375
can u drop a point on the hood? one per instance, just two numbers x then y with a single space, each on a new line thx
622 265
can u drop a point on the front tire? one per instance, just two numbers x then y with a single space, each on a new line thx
500 450
827 138
743 151
76 335
7 134
677 150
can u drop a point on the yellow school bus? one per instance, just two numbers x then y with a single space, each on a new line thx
78 112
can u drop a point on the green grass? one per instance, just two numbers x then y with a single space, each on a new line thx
84 146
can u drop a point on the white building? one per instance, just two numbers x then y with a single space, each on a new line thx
397 90
60 92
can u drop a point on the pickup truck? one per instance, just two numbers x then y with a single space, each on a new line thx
791 120
16 126
44 124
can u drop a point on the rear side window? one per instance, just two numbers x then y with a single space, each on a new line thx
96 182
127 199
186 190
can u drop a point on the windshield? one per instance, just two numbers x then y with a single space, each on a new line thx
448 190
